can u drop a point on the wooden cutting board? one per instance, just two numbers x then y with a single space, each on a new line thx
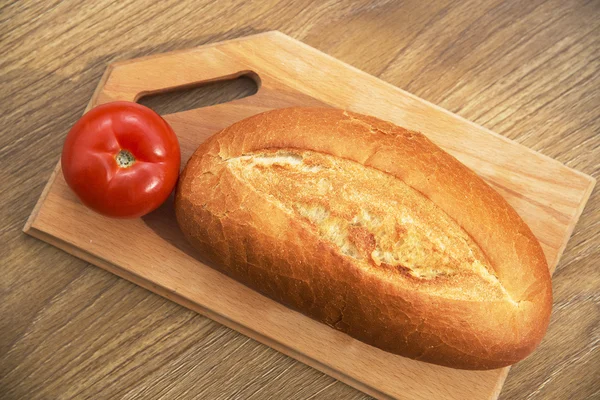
152 252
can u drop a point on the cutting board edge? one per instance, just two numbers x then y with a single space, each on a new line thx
221 319
583 202
57 167
40 201
121 63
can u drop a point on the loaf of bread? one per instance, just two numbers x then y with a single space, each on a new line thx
371 229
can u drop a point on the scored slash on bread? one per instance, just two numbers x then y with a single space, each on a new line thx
371 229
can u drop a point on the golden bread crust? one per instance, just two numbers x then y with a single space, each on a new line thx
371 229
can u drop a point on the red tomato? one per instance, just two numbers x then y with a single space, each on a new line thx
121 159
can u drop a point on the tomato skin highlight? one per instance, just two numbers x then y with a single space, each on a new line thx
121 159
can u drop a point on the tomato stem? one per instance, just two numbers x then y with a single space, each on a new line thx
124 158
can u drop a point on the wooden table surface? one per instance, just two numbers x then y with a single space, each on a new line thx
529 70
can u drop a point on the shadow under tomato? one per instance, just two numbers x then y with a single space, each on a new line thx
164 223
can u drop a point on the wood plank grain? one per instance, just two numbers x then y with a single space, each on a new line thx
527 70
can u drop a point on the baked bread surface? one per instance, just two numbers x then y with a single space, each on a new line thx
371 229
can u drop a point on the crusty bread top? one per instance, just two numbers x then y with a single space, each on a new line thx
379 221
402 209
514 253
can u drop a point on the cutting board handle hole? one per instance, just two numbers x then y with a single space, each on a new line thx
200 95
